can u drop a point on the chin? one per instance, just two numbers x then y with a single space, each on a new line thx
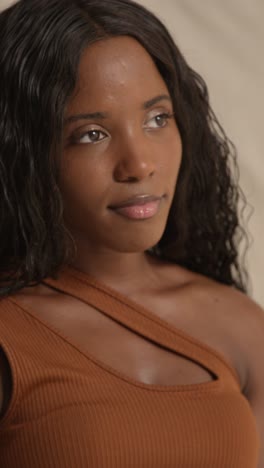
138 244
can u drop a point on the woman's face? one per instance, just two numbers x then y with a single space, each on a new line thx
120 142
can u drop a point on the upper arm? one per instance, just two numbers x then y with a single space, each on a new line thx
1 383
5 383
244 320
253 346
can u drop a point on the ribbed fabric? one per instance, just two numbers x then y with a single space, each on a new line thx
69 410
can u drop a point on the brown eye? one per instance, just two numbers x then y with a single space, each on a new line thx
159 121
94 135
91 136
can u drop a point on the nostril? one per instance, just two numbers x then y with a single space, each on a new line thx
132 179
133 171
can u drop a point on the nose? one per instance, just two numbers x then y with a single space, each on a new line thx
135 161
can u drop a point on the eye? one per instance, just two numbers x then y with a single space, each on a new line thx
91 136
159 121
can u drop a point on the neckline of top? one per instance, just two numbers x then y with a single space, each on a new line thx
89 289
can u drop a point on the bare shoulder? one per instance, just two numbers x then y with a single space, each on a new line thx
246 315
227 299
232 307
223 317
240 317
246 318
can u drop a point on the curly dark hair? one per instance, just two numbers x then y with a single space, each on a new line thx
41 43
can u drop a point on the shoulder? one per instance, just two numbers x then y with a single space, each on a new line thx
6 307
10 309
234 318
237 308
228 300
236 312
246 317
243 318
220 315
5 382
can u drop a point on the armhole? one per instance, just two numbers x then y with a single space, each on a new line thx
12 386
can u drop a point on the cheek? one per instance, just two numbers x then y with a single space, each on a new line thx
174 164
82 183
173 159
179 150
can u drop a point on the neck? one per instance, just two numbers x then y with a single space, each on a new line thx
122 271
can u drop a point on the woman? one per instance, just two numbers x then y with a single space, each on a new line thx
126 334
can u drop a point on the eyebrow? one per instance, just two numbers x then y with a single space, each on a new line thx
155 100
104 115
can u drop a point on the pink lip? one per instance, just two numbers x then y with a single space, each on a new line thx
142 211
137 200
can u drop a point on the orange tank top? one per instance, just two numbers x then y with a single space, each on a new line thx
69 410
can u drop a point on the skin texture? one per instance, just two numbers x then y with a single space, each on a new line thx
137 154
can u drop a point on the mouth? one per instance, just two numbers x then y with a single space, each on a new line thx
140 207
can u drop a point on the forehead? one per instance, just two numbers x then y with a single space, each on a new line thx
115 69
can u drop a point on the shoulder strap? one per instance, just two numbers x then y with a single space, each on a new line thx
127 312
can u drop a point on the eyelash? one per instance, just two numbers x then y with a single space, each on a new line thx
76 139
165 115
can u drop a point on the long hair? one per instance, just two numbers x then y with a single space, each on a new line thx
41 43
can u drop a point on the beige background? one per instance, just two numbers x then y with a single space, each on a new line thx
223 40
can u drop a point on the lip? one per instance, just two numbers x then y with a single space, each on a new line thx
140 207
136 201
